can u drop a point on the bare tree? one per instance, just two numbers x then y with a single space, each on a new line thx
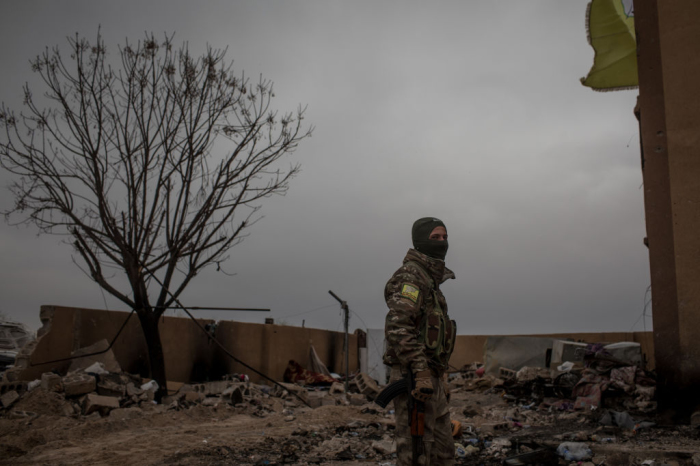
154 167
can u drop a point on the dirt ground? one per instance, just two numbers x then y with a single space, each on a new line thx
281 431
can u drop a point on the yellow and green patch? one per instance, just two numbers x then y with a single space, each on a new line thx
410 291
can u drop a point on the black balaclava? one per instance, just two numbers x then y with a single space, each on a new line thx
420 233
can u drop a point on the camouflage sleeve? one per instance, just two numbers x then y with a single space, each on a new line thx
403 297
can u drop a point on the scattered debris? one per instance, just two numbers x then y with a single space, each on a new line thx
528 416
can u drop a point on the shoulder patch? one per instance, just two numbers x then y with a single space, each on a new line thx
410 291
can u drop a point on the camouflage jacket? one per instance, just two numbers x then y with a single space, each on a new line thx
418 330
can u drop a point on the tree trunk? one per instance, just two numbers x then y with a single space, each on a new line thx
156 359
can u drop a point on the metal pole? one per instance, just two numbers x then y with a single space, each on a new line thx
344 307
197 308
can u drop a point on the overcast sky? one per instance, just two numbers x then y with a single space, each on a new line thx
469 111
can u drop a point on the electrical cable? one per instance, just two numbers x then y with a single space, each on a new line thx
222 347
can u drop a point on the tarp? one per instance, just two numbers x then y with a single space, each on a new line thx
515 353
610 27
315 362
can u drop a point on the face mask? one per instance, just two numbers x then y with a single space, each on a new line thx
432 248
421 231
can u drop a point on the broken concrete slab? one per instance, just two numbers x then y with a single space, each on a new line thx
98 403
9 398
111 385
105 356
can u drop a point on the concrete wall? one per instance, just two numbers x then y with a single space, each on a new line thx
269 348
189 354
67 329
470 348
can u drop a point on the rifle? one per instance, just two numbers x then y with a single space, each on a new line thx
416 411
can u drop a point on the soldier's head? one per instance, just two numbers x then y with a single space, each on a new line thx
429 236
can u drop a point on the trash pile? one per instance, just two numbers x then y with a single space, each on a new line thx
537 415
598 380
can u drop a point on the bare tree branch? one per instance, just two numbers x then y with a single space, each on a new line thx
156 162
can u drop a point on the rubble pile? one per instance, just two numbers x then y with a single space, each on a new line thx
590 414
582 413
94 391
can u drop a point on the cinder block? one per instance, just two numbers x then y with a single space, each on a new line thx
328 401
97 403
9 398
51 382
79 384
506 373
18 386
367 385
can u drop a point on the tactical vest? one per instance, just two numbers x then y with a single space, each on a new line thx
437 332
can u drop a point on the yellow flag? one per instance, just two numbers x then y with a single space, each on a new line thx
610 27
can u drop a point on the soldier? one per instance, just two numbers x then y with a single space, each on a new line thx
420 338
